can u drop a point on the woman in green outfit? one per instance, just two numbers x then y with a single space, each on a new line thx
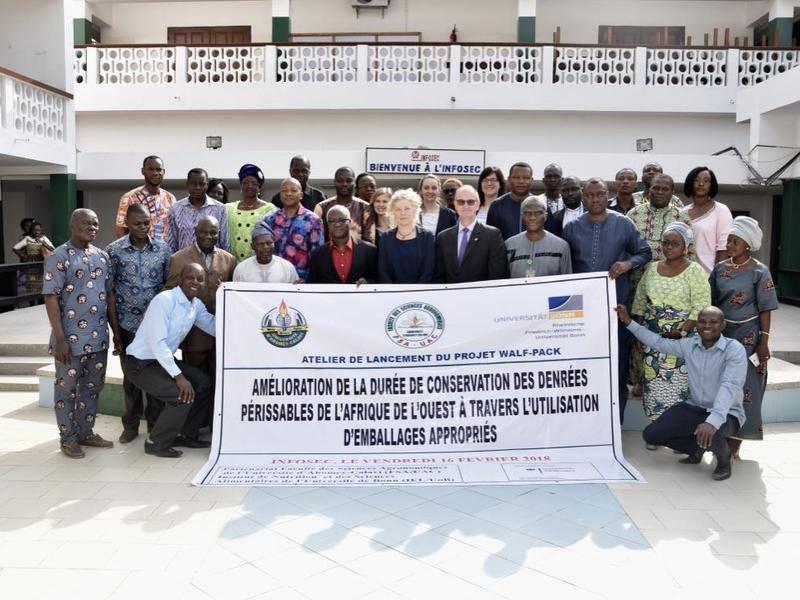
668 299
244 214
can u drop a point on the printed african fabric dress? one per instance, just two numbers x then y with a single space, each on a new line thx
665 303
741 294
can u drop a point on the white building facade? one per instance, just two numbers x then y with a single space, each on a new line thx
568 81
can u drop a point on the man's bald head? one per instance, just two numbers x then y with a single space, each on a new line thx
80 213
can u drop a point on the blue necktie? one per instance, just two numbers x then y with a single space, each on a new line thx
462 245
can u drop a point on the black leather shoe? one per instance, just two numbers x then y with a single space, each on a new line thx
722 472
187 442
161 452
693 459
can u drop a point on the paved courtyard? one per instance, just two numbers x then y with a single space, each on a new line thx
121 524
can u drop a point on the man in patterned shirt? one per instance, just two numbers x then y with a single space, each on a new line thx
344 182
157 201
296 230
78 296
185 213
139 266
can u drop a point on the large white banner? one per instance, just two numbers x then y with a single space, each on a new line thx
487 383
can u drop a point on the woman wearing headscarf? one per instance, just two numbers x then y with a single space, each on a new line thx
668 299
743 289
244 214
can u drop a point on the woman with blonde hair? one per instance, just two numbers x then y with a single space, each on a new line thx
407 252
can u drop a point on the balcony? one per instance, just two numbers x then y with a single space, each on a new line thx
35 123
422 76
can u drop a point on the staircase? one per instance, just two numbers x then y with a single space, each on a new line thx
18 364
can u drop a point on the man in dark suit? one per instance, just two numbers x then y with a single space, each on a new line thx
572 196
343 259
470 251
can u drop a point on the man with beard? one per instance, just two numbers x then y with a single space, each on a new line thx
573 204
264 266
344 182
505 213
553 184
158 201
603 240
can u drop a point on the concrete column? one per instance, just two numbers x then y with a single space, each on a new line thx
63 200
526 22
781 16
281 21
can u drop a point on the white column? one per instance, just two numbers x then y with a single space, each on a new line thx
362 61
455 63
181 65
781 8
526 8
92 66
640 67
548 59
270 64
732 72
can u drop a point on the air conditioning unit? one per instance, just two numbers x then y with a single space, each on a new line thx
359 4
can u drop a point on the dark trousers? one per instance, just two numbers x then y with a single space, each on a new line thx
176 417
624 341
675 429
206 361
134 399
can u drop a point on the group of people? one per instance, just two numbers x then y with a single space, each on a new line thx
155 286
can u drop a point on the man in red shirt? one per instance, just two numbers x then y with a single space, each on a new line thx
343 259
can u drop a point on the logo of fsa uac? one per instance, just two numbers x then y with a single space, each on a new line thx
415 325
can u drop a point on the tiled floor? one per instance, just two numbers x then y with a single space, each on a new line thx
120 524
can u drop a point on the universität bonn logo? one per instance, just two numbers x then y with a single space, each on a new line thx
283 326
565 307
415 325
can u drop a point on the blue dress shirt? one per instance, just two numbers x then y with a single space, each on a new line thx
168 319
716 374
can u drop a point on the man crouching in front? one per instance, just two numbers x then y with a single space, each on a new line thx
714 411
151 366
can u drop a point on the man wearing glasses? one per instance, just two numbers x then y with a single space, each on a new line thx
470 251
344 259
603 240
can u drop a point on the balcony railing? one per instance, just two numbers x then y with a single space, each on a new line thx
32 109
426 63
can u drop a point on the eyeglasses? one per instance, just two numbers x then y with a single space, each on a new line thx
668 244
338 221
469 202
593 195
491 180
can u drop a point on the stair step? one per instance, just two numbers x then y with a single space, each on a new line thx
23 350
22 365
19 383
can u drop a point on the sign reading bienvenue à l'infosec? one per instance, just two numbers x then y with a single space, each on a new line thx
418 161
413 385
